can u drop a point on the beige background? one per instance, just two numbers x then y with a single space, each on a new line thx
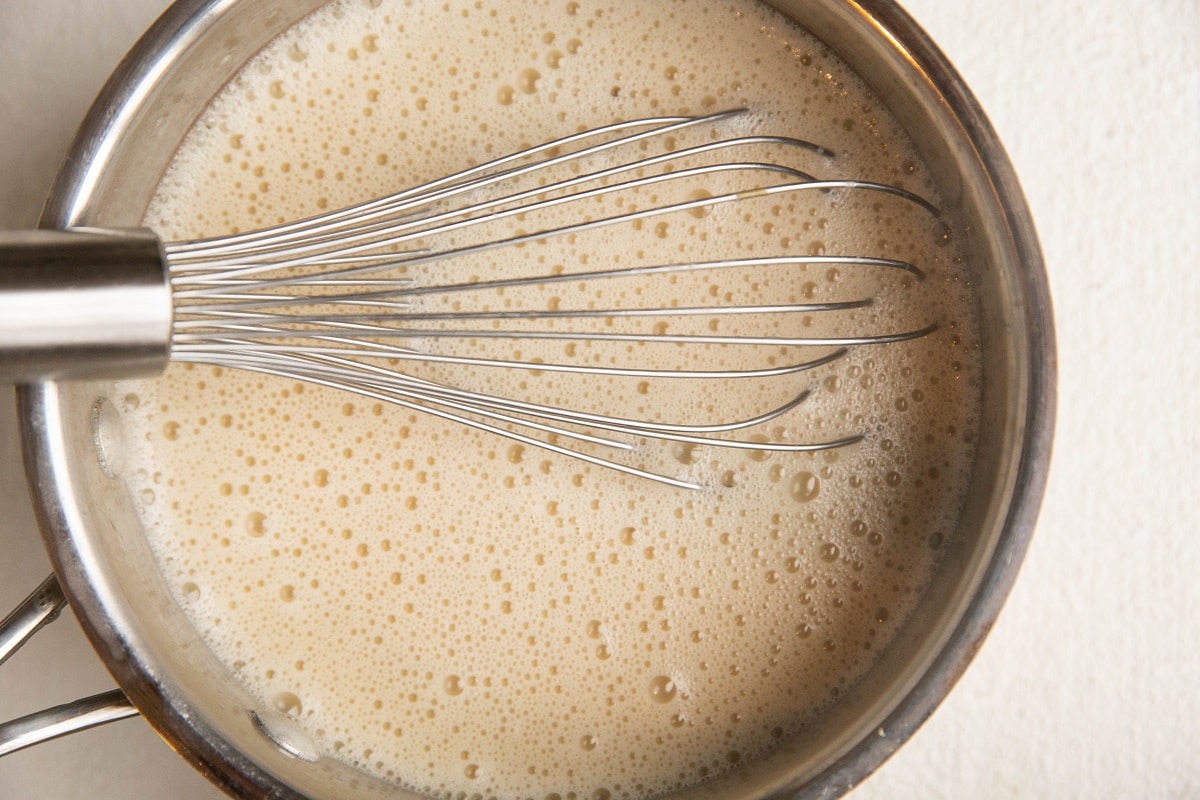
1089 686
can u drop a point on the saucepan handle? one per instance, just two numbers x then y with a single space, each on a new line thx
38 610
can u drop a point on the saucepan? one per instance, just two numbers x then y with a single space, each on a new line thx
104 566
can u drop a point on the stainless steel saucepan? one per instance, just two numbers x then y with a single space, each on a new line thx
104 566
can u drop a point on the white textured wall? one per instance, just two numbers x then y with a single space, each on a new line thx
1089 686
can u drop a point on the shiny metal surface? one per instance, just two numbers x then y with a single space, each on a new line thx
82 304
346 318
166 671
40 608
314 300
68 718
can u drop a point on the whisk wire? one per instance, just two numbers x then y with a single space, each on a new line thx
337 299
357 216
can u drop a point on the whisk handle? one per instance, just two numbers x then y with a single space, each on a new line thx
82 303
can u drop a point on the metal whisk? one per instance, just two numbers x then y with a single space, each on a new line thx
373 299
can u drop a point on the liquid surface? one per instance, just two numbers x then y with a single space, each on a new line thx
462 614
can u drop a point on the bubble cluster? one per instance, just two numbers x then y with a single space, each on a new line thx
469 616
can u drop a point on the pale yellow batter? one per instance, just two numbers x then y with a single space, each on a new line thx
462 614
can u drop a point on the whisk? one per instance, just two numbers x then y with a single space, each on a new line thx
342 299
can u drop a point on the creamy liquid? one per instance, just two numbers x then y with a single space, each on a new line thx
461 614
